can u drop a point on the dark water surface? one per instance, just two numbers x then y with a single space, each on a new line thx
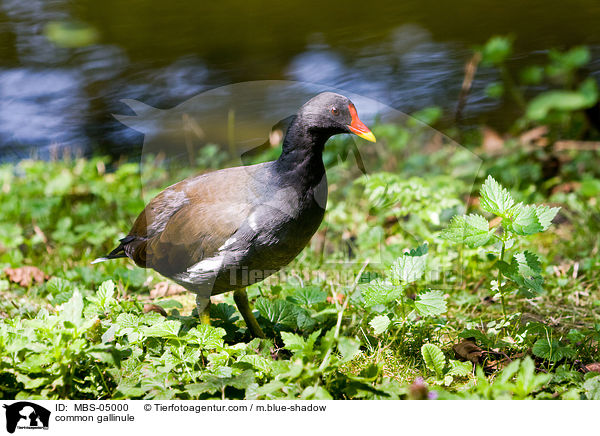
65 65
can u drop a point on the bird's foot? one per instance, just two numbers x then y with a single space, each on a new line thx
203 308
205 317
241 301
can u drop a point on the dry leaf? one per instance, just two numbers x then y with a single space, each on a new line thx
338 297
473 202
468 350
593 367
40 234
534 135
165 289
577 145
25 275
495 222
154 308
492 141
217 299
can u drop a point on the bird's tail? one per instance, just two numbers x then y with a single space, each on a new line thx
116 253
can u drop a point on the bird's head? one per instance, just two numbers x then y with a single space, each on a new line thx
330 114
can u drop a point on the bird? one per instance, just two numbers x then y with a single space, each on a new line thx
224 230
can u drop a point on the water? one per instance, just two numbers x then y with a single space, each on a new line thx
60 91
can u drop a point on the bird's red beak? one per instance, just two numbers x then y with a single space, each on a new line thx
358 127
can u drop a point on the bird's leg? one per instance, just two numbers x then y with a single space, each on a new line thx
241 301
203 307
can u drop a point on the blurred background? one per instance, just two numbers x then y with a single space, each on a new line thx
66 65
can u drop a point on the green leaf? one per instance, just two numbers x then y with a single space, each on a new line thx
545 215
207 337
525 221
509 371
560 100
315 393
496 199
525 270
72 310
309 296
166 329
528 220
292 341
280 313
431 303
11 235
105 292
421 250
214 383
494 90
224 312
590 188
544 348
258 362
109 334
380 292
529 264
563 64
575 336
380 324
434 358
473 230
429 115
478 335
592 388
304 320
532 75
57 285
573 58
460 369
408 268
128 320
527 380
70 34
348 348
62 298
496 50
300 346
551 350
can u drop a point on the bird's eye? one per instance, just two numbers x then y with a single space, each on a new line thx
334 111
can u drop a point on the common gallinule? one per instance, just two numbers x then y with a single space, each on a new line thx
225 230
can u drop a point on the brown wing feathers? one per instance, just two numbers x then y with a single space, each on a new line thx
186 223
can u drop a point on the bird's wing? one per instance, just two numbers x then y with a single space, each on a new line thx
191 220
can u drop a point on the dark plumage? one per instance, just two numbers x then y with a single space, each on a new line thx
227 229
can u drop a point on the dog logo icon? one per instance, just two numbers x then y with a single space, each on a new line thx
26 415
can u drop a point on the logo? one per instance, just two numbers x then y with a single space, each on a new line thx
26 415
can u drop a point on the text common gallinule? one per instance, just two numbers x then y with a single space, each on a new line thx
224 230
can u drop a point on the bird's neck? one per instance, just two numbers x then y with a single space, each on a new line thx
302 154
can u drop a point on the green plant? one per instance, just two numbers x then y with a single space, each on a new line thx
523 271
560 109
435 361
407 269
518 380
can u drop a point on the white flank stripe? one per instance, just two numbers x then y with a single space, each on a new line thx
207 265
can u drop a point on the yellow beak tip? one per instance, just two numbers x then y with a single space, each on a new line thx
368 136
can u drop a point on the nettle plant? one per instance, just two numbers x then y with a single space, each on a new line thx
406 270
435 361
521 271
